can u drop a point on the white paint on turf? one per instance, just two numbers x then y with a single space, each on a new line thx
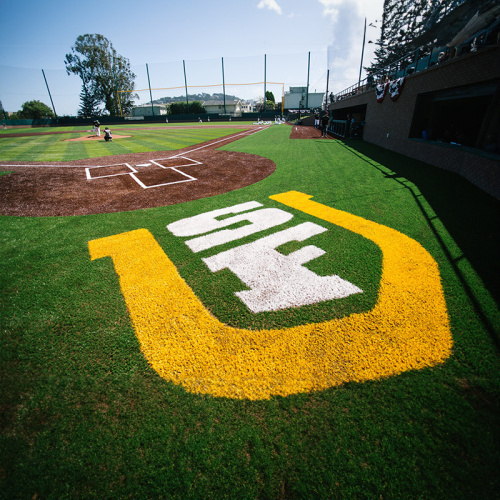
278 281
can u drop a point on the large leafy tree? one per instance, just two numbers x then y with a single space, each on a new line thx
107 79
34 110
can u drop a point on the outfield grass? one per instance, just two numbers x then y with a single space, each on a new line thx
56 147
131 125
85 416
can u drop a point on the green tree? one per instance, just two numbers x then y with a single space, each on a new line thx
90 105
404 22
3 113
180 108
34 110
266 105
106 76
270 96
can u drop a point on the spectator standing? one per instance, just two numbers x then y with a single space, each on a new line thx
324 125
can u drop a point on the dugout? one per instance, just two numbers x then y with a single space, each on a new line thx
340 118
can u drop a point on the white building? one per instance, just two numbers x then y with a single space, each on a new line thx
147 110
298 97
232 108
247 107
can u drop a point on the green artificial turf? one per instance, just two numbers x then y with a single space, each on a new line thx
55 147
85 416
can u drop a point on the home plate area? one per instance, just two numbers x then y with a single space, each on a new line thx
130 182
151 174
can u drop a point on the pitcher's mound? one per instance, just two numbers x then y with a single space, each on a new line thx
95 138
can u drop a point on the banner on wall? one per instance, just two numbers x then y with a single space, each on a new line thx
380 91
395 87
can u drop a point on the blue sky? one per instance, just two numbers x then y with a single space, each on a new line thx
37 34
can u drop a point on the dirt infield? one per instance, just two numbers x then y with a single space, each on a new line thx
131 182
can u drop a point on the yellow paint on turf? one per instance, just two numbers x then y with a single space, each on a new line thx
408 328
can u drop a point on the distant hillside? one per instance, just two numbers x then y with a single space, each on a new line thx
197 97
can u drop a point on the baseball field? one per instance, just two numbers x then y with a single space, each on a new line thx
236 310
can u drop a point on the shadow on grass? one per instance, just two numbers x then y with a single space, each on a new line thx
471 216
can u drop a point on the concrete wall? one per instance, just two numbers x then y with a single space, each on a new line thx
388 124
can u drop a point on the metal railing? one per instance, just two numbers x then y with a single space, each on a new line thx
418 60
342 128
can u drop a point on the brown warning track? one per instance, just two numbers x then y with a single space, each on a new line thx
305 132
55 189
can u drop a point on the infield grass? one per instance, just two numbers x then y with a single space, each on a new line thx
55 147
85 416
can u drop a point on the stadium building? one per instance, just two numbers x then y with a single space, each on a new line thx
440 103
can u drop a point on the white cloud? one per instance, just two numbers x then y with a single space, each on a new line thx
330 8
370 9
344 53
269 4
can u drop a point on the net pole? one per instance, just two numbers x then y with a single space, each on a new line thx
150 94
362 54
307 90
48 90
186 85
119 104
265 68
327 78
116 86
223 86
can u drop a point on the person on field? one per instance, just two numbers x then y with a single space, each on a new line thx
97 128
107 135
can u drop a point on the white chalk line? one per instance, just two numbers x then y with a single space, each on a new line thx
247 132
